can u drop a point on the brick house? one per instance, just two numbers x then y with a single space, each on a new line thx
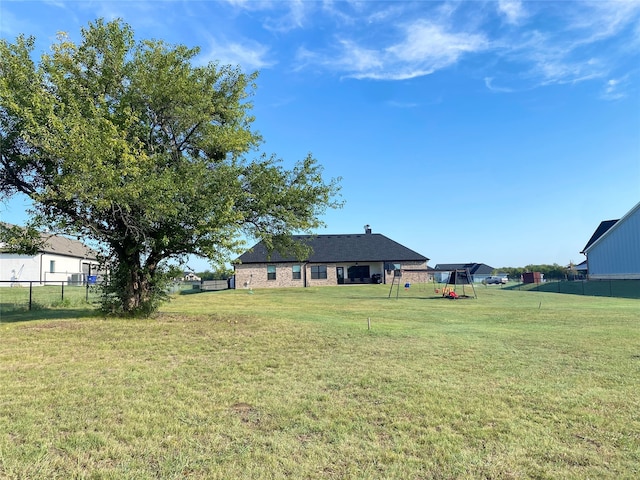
335 260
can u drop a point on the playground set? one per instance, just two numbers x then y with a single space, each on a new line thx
456 287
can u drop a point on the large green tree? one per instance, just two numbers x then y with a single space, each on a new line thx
133 145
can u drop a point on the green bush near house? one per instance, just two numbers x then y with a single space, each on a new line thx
330 382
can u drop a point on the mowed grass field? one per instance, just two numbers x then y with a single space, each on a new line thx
293 384
17 299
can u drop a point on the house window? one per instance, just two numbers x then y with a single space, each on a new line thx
359 272
318 272
52 266
295 272
271 272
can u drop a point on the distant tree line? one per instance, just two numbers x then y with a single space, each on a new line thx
219 274
551 272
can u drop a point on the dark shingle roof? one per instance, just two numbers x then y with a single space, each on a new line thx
361 247
601 230
474 268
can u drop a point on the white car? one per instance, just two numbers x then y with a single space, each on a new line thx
495 280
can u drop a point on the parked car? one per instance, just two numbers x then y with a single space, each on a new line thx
495 280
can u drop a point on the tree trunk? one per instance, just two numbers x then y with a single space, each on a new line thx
132 284
136 291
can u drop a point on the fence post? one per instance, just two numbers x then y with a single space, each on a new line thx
30 294
62 291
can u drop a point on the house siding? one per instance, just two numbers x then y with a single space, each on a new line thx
72 261
37 268
19 267
412 272
617 254
256 276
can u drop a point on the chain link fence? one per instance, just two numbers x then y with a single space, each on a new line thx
16 296
36 295
596 288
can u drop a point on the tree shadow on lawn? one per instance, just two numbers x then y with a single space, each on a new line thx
16 316
413 297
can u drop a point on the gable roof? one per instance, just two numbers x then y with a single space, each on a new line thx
474 268
361 247
601 230
67 247
59 245
581 267
607 229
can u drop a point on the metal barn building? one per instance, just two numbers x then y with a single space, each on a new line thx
613 252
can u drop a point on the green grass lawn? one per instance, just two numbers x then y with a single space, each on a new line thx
16 299
292 384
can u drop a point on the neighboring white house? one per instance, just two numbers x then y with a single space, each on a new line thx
61 259
613 251
191 277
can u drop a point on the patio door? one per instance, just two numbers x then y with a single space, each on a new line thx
340 275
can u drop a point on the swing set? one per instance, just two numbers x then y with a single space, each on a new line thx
458 277
459 284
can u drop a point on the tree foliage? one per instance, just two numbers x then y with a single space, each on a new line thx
23 241
133 145
551 272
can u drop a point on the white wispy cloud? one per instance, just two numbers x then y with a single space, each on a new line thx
488 82
431 43
615 88
595 21
249 55
510 45
55 3
279 16
423 48
292 18
528 44
512 10
250 4
11 26
396 104
586 43
359 59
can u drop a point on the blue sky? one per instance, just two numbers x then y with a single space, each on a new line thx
499 132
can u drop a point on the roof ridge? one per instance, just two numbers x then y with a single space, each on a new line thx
343 247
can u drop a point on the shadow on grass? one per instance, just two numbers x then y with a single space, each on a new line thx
414 297
197 292
15 316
